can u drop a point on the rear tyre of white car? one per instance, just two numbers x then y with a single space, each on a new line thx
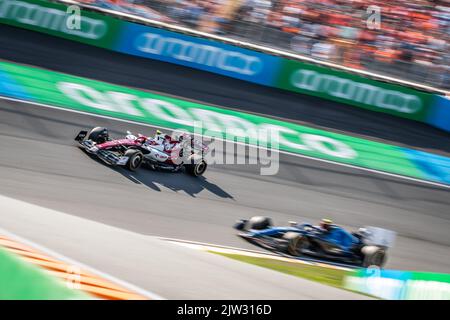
197 169
135 159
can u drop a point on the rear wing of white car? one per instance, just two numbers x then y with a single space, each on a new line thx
380 237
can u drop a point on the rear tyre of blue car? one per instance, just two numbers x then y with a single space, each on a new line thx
373 257
296 243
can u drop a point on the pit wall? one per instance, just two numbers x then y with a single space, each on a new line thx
192 49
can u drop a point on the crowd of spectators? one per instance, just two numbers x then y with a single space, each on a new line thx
409 38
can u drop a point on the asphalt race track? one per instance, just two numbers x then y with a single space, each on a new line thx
40 164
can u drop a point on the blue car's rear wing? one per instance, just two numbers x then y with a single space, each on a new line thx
380 237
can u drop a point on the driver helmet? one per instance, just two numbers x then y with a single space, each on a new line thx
158 135
325 224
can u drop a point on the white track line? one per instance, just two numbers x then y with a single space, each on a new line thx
51 253
206 244
437 184
255 253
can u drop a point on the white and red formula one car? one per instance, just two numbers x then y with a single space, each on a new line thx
158 152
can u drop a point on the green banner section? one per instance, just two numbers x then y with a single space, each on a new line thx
125 103
354 90
400 285
424 285
22 281
57 20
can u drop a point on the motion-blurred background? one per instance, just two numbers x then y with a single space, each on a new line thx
410 41
356 149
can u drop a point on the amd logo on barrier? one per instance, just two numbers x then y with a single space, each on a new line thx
356 91
202 54
52 19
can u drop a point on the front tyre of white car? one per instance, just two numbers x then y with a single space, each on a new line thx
135 158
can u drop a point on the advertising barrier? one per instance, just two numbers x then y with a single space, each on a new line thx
198 53
400 285
53 18
145 107
354 90
113 33
439 116
432 165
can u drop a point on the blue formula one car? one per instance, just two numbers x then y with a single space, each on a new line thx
328 242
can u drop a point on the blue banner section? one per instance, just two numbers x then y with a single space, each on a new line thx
392 274
212 56
434 166
9 87
439 115
395 289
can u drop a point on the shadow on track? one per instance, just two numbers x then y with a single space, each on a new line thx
175 181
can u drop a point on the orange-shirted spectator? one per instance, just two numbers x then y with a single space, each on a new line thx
386 55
